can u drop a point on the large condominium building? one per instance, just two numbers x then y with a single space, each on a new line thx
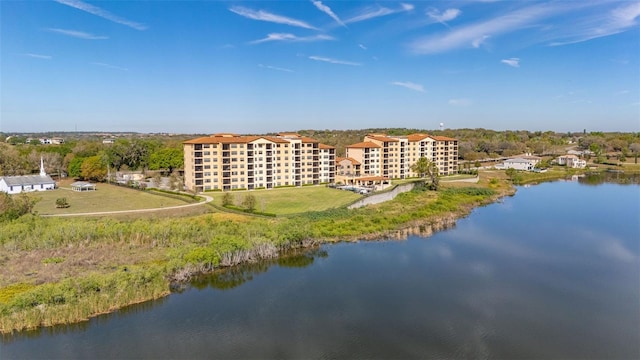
229 161
393 156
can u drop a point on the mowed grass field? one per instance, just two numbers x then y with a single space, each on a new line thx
105 198
285 201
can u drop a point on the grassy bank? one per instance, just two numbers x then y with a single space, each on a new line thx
289 200
56 270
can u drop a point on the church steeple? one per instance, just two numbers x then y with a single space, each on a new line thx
42 172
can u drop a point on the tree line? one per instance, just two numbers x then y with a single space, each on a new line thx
89 158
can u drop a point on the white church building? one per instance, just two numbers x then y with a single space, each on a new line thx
27 183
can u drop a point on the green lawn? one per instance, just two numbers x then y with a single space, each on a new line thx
284 201
105 198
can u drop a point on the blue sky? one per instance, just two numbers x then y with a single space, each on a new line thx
265 66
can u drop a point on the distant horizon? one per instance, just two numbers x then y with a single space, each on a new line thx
229 66
171 133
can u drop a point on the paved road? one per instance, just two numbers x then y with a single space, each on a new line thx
207 199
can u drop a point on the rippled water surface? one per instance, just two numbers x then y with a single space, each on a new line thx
553 272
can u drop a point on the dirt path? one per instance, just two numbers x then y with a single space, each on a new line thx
469 180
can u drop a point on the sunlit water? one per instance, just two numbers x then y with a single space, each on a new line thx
553 273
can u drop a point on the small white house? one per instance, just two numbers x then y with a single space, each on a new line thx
571 161
27 183
526 164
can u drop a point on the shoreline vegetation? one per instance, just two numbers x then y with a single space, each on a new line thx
61 271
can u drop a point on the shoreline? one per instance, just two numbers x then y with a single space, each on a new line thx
176 279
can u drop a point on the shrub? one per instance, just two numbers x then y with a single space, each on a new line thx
62 203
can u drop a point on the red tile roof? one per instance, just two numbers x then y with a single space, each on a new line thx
417 137
382 137
442 138
237 139
363 145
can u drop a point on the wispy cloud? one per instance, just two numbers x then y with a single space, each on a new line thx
334 61
327 10
601 24
362 47
476 43
513 62
261 15
38 56
109 66
275 68
460 102
447 15
91 9
374 12
293 38
78 34
473 35
590 20
409 85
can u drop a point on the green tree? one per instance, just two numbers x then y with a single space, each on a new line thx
426 168
542 164
11 163
14 206
75 166
249 202
168 158
596 149
514 175
227 199
94 168
134 154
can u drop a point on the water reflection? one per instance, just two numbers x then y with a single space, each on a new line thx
84 325
598 178
229 278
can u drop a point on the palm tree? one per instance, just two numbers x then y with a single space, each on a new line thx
426 168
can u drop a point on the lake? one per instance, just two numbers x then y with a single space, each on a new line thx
552 272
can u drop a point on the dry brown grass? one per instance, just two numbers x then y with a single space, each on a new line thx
32 266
